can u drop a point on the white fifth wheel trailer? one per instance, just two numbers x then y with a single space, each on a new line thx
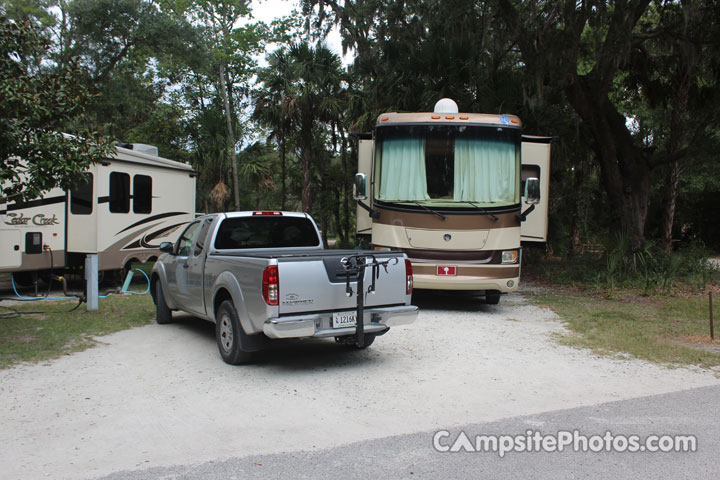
457 192
127 206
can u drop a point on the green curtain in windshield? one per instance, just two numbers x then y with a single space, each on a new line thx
484 171
403 170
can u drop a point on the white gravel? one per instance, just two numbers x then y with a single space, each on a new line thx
160 395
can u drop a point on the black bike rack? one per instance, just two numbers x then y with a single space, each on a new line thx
356 265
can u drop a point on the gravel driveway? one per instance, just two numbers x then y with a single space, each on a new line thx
161 395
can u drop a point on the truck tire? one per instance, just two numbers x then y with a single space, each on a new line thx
163 313
228 332
492 297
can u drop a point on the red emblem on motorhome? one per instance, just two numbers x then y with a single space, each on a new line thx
445 270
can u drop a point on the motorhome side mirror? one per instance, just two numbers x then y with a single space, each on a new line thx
166 247
360 188
532 191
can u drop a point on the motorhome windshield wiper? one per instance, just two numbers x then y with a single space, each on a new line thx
427 208
483 210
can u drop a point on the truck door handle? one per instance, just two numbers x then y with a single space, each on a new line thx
185 265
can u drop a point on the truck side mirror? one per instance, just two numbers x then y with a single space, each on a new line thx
360 187
166 247
532 191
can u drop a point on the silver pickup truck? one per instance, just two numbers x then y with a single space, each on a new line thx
265 275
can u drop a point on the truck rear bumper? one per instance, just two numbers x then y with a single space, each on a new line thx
320 324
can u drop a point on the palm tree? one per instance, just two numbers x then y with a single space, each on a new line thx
274 107
302 87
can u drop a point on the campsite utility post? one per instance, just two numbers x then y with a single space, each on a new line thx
91 277
712 327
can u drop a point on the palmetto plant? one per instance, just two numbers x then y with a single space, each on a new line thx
219 195
624 263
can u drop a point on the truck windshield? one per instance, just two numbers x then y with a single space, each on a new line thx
266 232
448 165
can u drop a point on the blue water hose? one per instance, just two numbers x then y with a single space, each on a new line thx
31 299
148 284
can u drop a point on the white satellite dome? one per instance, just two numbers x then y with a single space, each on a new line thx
446 105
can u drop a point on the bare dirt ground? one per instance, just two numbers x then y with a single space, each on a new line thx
160 395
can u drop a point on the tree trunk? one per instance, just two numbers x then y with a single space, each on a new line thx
306 159
231 139
688 58
578 175
324 228
625 168
671 190
345 229
283 193
338 222
306 180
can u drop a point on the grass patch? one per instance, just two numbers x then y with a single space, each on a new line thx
57 331
665 329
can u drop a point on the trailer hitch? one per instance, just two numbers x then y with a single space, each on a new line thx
356 265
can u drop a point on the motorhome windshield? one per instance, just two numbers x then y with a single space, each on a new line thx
461 166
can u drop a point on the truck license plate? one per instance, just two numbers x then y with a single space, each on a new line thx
344 319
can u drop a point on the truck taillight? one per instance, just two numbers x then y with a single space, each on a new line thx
408 277
271 285
265 212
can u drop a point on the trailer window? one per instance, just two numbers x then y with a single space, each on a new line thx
142 194
119 192
81 197
266 232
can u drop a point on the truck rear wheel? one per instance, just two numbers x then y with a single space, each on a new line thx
228 332
163 314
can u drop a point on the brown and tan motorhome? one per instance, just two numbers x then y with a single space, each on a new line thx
457 192
129 204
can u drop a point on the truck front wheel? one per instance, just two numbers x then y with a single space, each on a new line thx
228 332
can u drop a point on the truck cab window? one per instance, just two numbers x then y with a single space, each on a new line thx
142 194
81 197
187 239
119 192
202 237
266 232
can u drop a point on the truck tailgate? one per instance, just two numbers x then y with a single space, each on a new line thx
318 282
